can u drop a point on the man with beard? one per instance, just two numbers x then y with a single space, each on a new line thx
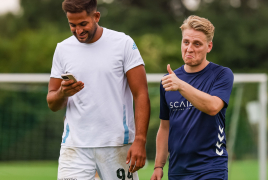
193 102
100 132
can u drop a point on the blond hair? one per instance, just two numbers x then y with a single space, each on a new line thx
199 24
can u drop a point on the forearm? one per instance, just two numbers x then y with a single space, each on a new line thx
137 152
161 147
56 100
142 116
200 100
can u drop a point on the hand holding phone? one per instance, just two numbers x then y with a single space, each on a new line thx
69 89
68 76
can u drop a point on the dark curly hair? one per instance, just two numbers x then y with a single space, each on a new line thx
77 6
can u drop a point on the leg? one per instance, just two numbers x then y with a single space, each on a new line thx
76 163
111 163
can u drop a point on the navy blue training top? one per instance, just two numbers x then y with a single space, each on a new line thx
197 141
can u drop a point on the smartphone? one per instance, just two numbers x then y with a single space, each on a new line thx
68 76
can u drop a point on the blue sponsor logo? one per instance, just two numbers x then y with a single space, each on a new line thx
134 46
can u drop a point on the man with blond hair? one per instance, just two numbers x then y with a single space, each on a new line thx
193 102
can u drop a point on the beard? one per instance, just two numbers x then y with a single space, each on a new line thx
90 35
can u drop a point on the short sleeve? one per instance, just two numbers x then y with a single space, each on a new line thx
223 85
56 69
164 110
132 57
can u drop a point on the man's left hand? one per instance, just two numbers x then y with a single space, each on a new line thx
136 155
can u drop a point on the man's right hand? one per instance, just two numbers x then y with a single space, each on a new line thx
59 90
69 88
158 174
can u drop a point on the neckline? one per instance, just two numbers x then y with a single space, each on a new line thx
207 67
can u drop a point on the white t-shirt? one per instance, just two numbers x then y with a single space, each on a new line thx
101 114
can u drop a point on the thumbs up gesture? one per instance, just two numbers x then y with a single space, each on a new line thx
169 69
171 82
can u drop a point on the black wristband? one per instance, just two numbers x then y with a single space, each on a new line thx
158 167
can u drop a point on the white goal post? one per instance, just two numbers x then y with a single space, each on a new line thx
155 78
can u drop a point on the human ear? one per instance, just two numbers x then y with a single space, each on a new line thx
97 16
210 45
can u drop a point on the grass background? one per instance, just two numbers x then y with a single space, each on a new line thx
47 170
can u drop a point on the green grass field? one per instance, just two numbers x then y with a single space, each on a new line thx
47 170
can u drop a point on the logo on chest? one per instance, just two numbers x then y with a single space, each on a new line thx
180 105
